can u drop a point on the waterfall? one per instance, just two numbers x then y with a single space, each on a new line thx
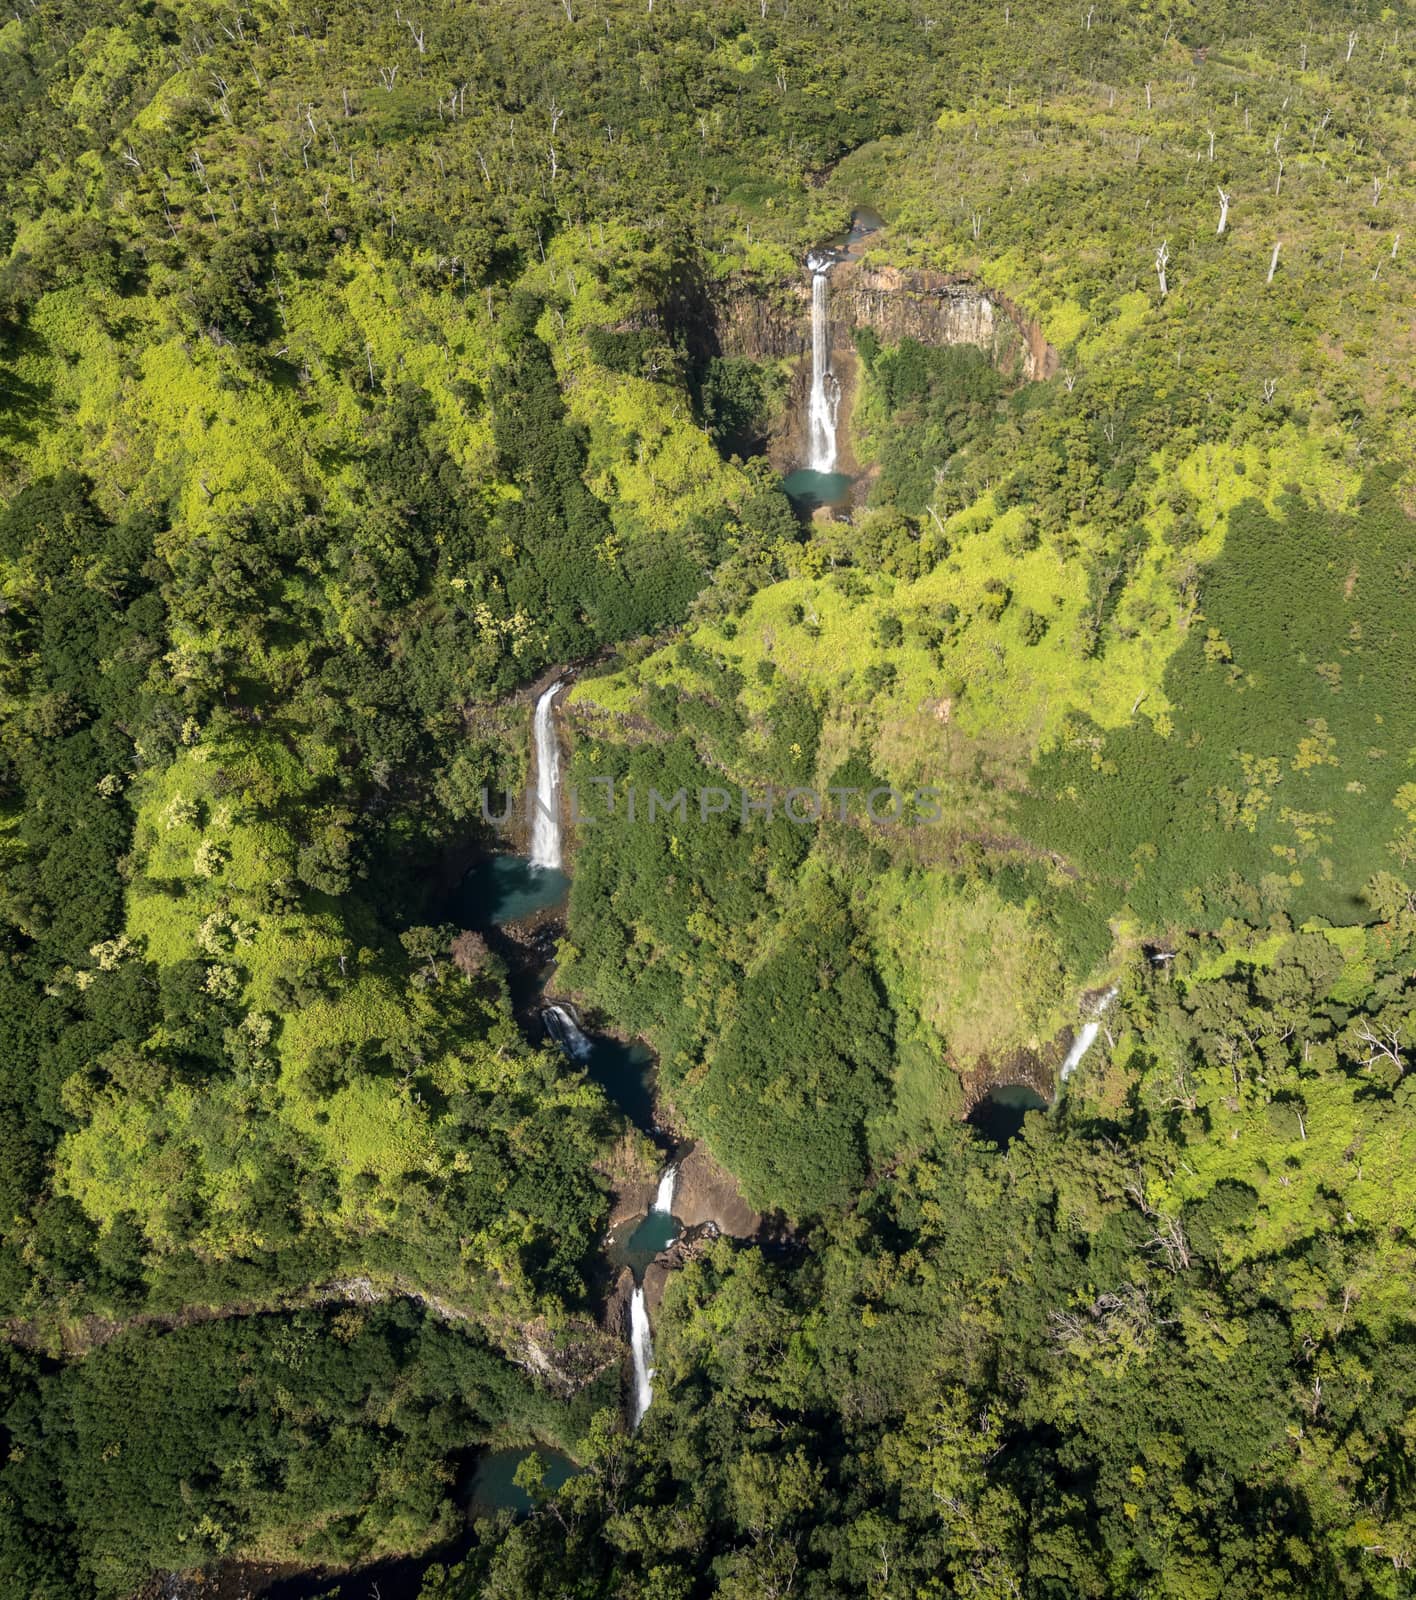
545 819
825 390
643 1354
664 1199
565 1030
1087 1037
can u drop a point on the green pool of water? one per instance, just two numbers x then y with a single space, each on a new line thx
504 889
655 1233
494 1486
999 1115
626 1073
810 489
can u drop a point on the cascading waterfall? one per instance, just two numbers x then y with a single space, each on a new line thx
545 819
825 389
565 1030
640 1345
1086 1038
643 1353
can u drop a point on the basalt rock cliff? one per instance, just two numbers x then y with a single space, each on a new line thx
770 323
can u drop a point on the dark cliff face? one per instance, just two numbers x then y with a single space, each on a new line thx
769 323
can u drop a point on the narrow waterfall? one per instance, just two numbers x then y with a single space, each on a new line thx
655 1234
825 389
1086 1038
545 819
643 1353
565 1030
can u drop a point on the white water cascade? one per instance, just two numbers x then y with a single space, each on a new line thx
565 1030
825 388
643 1353
1086 1038
640 1346
545 819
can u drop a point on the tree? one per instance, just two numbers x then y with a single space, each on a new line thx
470 953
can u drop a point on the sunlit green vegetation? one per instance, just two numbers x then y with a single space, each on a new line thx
357 368
1159 1343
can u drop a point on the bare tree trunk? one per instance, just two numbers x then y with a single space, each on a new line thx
1273 263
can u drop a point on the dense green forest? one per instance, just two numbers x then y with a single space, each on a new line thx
358 368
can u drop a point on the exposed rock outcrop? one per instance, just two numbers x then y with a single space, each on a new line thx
772 322
706 1193
631 1201
615 1317
656 1280
1037 1069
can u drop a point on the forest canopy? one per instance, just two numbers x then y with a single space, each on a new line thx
362 372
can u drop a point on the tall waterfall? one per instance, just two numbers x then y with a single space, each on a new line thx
545 819
664 1198
1086 1038
643 1353
565 1030
825 389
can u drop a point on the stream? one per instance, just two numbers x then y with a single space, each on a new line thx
623 1071
508 889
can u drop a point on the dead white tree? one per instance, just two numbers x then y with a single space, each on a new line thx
1162 261
1351 44
418 38
1184 1098
1170 1240
1211 134
1273 260
1382 1045
1270 390
1223 211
